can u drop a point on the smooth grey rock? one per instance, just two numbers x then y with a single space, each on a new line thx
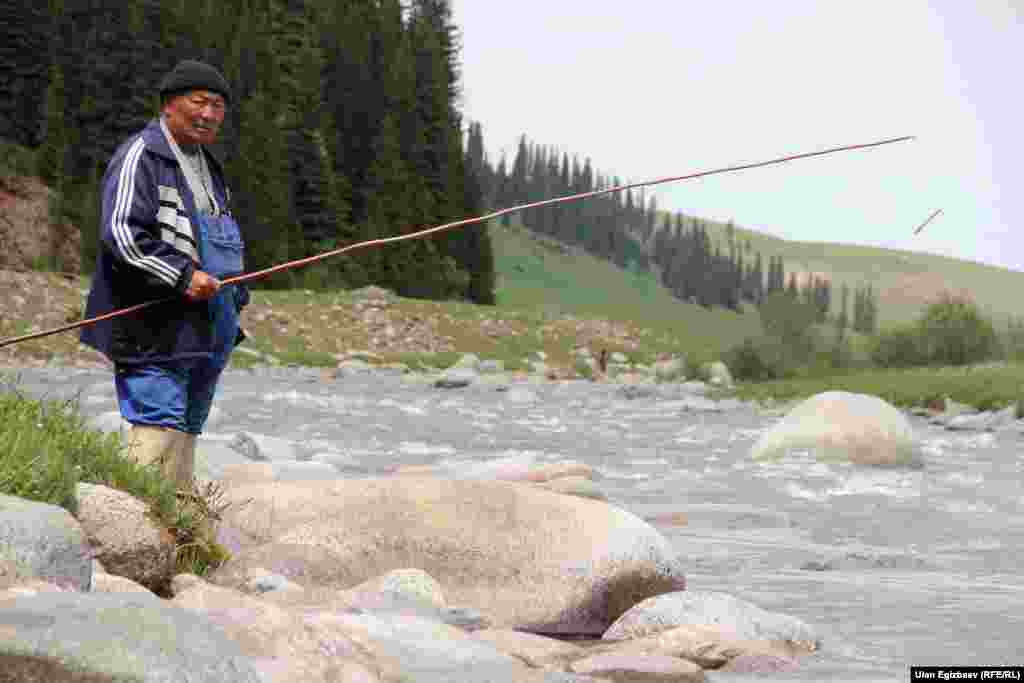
42 541
695 387
431 651
467 361
458 378
466 618
115 638
840 426
264 582
124 535
263 448
986 421
634 391
681 608
411 583
492 367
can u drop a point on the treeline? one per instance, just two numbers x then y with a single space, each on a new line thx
613 226
344 125
627 229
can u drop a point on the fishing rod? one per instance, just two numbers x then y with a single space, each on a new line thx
930 219
298 263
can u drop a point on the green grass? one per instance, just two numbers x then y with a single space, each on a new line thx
46 450
984 387
545 278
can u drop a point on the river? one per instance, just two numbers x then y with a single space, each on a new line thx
894 567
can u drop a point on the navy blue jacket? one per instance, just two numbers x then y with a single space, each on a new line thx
148 251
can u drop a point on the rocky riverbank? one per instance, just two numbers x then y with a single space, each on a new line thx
381 532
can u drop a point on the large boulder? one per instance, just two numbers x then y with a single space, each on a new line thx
125 538
527 558
695 608
42 541
115 638
709 647
640 667
524 467
840 426
313 649
537 651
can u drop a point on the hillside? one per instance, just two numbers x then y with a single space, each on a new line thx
905 281
539 273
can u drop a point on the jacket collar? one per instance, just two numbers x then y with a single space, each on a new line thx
153 135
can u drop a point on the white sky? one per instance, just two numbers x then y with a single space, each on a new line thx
655 88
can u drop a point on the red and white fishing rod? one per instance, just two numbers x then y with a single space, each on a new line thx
449 226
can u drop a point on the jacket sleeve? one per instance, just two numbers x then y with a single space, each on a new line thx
129 230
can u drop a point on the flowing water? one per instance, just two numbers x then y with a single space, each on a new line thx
894 567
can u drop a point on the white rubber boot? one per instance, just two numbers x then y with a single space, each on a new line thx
149 444
186 461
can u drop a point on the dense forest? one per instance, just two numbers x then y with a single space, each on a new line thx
344 126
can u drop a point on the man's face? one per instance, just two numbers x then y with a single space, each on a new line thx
195 117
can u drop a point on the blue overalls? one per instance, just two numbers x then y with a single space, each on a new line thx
179 395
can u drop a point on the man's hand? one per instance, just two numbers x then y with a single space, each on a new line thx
202 287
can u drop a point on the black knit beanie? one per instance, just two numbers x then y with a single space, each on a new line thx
189 75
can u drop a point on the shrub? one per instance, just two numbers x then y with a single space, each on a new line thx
790 321
760 359
1012 341
953 332
16 160
899 347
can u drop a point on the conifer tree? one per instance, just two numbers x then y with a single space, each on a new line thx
264 196
843 321
52 156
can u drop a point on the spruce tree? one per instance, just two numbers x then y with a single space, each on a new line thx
843 322
52 156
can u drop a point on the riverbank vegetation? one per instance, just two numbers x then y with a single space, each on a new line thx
46 450
951 351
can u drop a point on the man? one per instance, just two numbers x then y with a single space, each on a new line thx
167 233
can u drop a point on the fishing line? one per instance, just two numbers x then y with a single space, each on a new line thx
298 263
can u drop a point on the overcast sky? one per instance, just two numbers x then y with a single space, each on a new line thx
655 88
